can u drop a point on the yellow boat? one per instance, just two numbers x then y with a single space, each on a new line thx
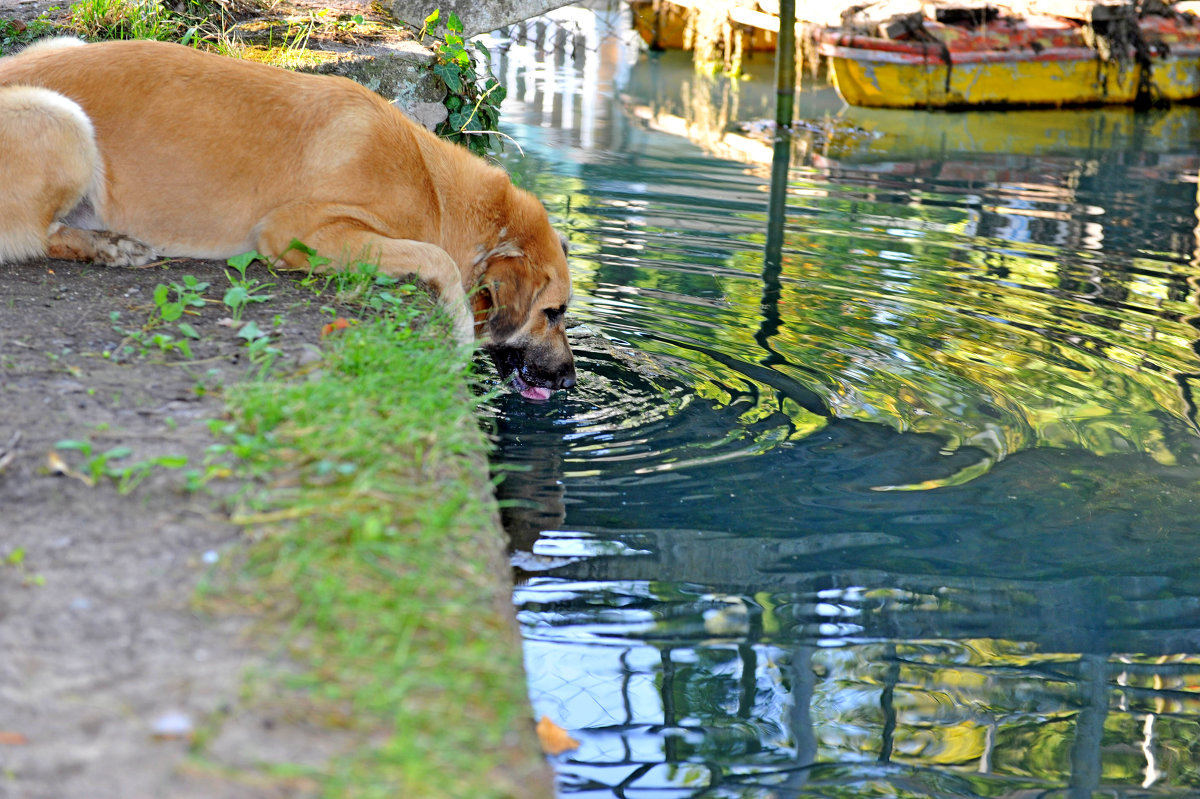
1026 61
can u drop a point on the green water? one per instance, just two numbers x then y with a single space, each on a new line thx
884 483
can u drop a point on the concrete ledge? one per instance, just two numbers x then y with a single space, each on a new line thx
476 17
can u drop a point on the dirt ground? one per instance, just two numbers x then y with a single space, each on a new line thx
109 672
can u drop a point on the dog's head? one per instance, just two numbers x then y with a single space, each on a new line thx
521 302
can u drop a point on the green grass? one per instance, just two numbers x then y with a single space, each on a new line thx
15 35
194 23
123 19
379 551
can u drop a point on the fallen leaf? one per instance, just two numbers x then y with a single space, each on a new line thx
554 738
341 323
58 466
9 738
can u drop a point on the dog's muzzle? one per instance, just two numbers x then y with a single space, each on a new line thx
531 380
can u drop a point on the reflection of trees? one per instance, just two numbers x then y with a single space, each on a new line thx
1002 356
998 684
925 716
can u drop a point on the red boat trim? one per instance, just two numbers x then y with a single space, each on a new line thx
883 51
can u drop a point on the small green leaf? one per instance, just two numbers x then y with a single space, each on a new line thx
188 330
296 244
171 311
171 461
453 23
240 262
236 296
433 18
251 332
449 76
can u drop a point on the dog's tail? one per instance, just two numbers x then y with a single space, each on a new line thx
51 43
48 164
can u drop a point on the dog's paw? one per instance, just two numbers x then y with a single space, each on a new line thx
98 246
113 249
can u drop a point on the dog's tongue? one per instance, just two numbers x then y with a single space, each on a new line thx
535 393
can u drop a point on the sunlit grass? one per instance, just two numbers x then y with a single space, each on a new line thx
122 19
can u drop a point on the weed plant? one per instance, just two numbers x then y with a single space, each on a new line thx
473 100
111 463
15 34
171 302
377 543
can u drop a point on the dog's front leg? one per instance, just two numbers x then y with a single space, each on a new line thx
346 244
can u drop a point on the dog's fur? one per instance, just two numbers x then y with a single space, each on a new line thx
122 152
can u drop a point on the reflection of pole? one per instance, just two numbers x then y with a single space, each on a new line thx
773 257
989 744
773 287
785 64
1149 738
1089 726
804 685
670 742
749 686
887 703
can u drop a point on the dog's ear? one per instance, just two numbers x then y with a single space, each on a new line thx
504 298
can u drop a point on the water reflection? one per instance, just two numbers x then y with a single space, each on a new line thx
994 311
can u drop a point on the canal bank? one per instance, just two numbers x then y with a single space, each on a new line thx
249 548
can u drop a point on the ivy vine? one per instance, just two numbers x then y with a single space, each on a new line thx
473 99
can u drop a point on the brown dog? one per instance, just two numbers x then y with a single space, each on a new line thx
121 152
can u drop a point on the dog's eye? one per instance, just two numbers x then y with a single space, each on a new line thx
553 315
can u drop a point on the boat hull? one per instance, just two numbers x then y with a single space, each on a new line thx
864 78
1030 63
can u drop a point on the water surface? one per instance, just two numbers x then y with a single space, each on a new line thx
882 484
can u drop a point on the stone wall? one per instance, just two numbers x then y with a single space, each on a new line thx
477 17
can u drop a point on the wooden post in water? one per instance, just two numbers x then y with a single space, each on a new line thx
785 64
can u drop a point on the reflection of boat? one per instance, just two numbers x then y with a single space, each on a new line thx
1026 61
664 25
905 136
